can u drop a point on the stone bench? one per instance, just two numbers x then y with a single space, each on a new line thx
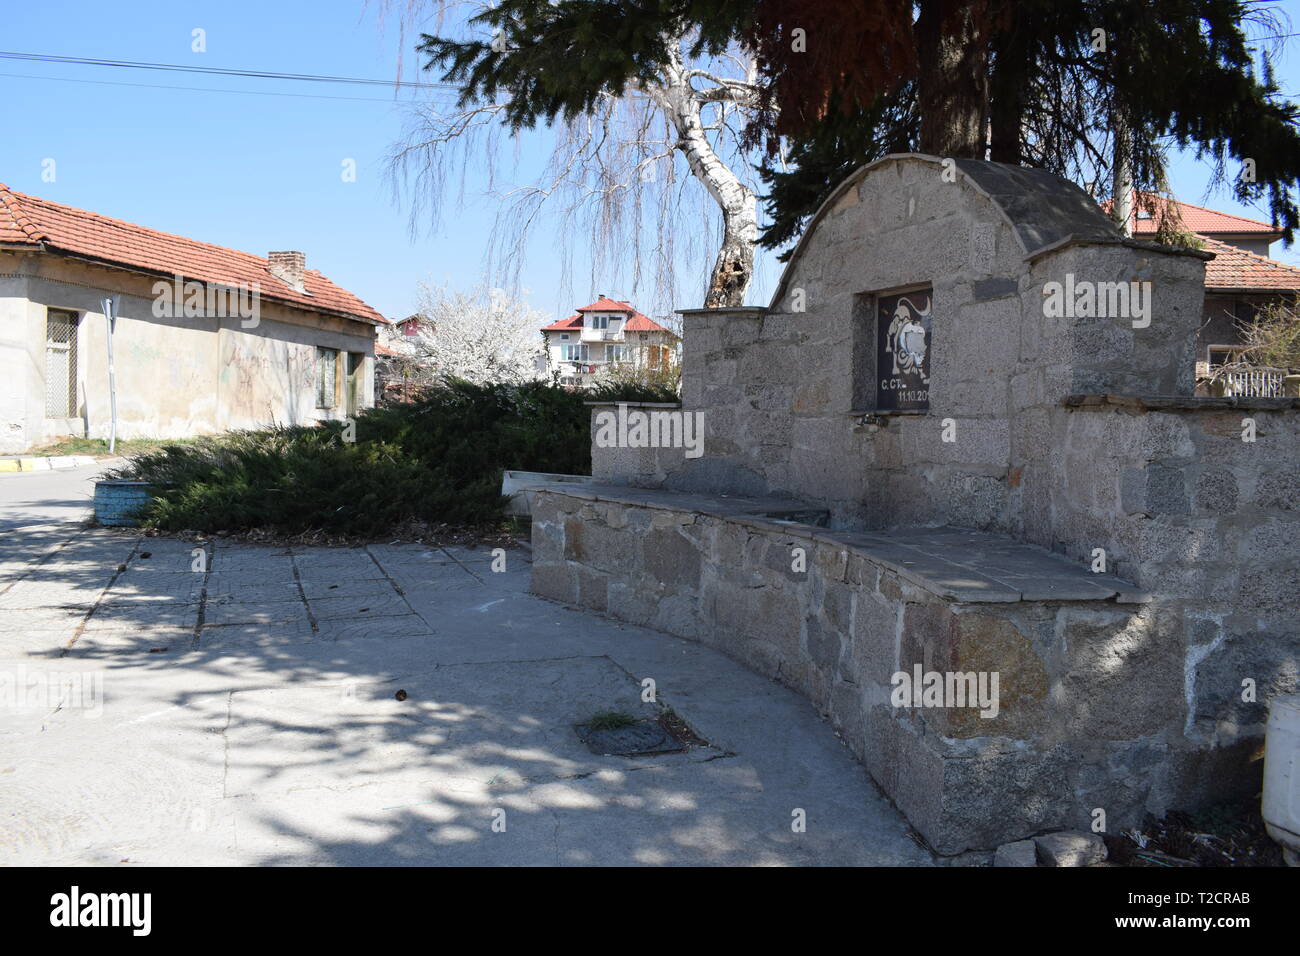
1089 680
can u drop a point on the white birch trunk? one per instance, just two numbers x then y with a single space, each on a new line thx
734 267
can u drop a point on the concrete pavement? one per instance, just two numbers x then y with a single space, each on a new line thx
246 713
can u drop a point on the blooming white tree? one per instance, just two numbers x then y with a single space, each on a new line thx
483 336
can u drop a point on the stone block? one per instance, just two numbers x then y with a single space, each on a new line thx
672 559
1279 490
824 644
1270 592
1122 674
1266 658
1019 853
1154 490
593 590
978 646
1069 848
1216 491
995 795
558 582
741 330
873 652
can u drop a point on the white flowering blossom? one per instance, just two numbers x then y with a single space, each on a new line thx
483 336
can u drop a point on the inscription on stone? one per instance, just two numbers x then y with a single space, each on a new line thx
903 351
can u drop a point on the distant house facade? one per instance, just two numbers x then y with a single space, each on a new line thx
399 373
206 339
1239 280
607 332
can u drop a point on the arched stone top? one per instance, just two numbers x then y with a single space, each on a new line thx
1042 209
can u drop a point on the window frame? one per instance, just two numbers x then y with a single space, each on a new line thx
321 351
73 359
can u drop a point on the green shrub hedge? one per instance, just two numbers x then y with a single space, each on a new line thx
437 460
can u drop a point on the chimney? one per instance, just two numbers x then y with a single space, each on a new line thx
289 267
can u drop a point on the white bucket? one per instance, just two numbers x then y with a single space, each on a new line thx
1281 809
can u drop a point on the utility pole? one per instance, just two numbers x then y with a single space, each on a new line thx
110 306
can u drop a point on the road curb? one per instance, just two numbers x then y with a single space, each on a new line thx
25 465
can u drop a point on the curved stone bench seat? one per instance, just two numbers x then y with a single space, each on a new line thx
1087 680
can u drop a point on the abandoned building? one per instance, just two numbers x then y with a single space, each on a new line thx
204 338
916 462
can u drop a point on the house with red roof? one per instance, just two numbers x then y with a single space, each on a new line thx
603 334
1239 280
204 338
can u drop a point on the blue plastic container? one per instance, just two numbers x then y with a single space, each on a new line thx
119 502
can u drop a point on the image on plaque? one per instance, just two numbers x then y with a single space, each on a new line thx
903 351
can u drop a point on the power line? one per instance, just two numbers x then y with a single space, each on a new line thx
256 74
204 89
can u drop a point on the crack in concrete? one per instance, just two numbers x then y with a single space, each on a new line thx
225 744
302 594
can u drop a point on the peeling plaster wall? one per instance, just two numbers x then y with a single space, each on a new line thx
176 377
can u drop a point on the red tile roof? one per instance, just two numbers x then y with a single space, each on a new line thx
606 304
32 221
1197 219
637 322
1237 269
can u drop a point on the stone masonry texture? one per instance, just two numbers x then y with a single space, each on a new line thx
1132 703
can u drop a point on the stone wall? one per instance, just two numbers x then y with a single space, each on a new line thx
1042 450
1207 522
1092 705
782 387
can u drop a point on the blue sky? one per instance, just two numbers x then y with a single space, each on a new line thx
262 172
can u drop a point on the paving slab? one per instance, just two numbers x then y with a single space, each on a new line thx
360 606
270 742
279 612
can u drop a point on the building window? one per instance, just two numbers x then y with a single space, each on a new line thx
658 357
1221 355
327 365
564 337
597 321
60 364
574 353
616 353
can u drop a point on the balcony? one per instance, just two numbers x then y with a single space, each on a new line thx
601 335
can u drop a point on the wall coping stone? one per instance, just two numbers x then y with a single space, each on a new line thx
604 404
1160 403
1142 245
974 567
729 310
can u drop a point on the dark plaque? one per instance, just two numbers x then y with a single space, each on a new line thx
903 351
